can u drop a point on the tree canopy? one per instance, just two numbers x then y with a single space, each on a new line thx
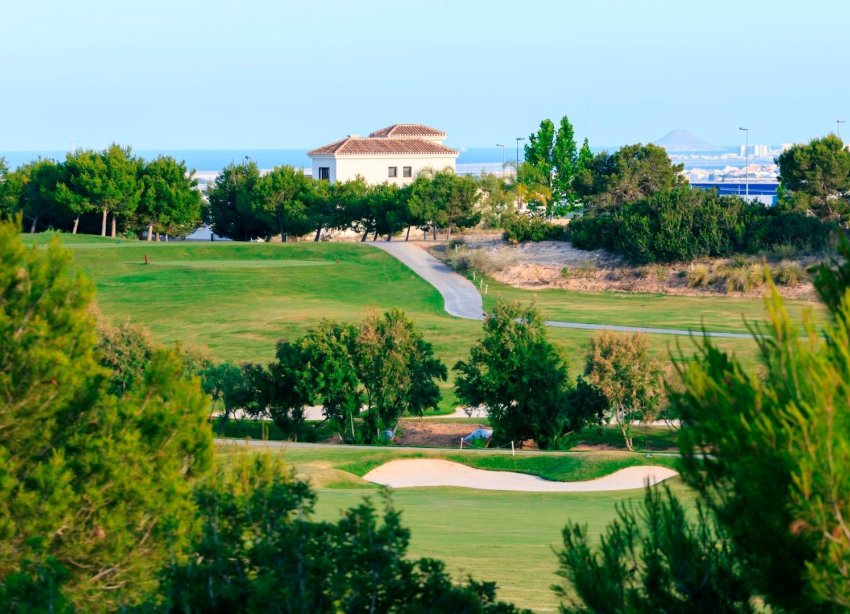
815 178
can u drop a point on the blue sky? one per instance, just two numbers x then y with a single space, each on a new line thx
277 74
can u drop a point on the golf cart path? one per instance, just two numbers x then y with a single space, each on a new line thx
422 472
463 300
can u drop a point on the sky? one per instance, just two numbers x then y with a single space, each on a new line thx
172 74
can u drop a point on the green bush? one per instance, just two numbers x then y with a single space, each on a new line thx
685 224
520 228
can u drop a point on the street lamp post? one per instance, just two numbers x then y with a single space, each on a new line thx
746 161
838 123
518 139
503 158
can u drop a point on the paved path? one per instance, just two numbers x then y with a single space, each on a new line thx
462 299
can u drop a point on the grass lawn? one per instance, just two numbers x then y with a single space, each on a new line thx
501 536
238 299
716 313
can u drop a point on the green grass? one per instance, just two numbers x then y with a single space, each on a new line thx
501 536
239 299
715 313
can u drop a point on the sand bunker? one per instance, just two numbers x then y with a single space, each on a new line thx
410 473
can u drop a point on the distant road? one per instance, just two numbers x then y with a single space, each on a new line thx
463 300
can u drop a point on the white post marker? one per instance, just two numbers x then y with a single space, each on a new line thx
513 452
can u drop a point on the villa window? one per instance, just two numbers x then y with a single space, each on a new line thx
407 171
325 173
393 171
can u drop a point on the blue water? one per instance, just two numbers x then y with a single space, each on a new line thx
215 159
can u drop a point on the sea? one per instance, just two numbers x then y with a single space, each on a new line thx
473 160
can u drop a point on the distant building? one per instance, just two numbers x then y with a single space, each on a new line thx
395 154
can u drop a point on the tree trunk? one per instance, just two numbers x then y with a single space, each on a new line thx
625 429
76 225
113 225
365 236
389 236
103 223
375 236
150 232
34 224
157 237
407 237
318 234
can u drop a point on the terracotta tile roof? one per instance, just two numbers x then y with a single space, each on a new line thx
355 145
408 130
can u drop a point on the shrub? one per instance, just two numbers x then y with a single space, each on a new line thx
788 273
465 260
744 278
699 276
685 224
519 228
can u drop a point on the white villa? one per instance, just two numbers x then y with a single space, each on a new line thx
395 154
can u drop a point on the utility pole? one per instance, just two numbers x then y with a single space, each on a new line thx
503 158
746 161
518 139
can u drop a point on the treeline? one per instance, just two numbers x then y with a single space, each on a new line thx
245 204
687 223
110 192
651 216
635 202
366 377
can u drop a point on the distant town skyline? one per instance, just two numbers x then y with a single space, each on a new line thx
268 75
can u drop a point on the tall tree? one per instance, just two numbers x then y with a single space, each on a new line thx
232 210
38 191
283 195
398 371
170 200
96 483
81 183
564 161
330 375
630 174
119 189
620 367
519 376
10 190
816 177
539 152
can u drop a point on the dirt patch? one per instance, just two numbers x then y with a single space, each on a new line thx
557 264
426 434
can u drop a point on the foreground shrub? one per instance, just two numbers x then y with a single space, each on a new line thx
95 487
765 450
259 550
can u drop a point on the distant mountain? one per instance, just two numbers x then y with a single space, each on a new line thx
682 140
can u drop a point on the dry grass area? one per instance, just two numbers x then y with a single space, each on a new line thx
557 264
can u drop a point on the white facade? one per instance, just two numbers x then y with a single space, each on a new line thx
397 154
376 168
